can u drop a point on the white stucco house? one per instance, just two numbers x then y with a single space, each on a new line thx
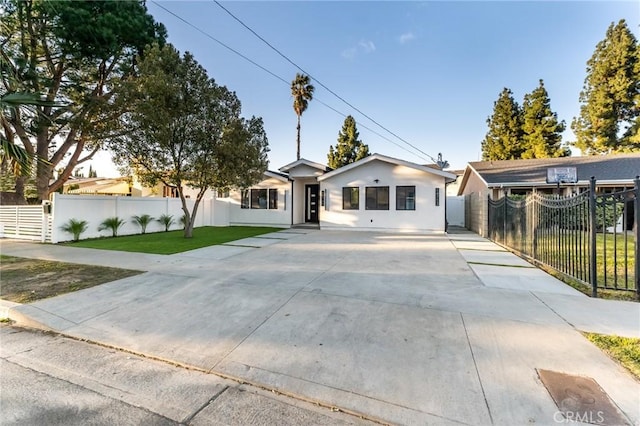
376 193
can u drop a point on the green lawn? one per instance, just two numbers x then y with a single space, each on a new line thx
173 241
610 252
625 350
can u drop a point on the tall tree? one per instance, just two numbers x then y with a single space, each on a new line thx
349 147
187 131
503 141
75 54
610 97
541 130
302 92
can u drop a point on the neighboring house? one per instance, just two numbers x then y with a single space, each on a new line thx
99 186
452 187
375 193
612 172
483 179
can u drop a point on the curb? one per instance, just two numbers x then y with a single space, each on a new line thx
6 307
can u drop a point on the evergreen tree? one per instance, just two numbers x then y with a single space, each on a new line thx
92 173
541 130
610 98
504 138
349 148
68 59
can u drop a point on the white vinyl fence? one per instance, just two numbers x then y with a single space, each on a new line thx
455 210
95 209
37 223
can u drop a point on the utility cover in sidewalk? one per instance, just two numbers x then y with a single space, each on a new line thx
581 399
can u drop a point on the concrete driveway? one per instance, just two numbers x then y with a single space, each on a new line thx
399 328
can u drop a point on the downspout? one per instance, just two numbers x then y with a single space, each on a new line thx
292 203
446 222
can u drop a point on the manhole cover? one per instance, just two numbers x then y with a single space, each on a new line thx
581 399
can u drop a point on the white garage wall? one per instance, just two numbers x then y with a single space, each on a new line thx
427 217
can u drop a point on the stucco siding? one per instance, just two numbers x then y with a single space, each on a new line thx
280 217
427 217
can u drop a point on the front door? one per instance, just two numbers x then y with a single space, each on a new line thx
311 203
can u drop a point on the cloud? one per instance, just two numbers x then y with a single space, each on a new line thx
349 53
406 37
364 46
367 46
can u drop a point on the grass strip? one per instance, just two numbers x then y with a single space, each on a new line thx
173 241
625 350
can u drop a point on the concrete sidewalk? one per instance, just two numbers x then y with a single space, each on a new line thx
408 329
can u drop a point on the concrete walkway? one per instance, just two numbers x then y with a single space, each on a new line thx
408 329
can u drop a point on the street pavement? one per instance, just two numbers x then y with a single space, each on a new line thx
400 328
49 379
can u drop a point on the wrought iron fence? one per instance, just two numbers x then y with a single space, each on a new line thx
592 237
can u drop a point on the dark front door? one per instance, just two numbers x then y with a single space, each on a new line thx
312 202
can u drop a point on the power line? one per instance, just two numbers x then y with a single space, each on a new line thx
246 58
285 57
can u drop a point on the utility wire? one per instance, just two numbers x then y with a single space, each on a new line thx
246 58
286 58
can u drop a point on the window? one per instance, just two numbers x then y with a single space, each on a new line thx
273 199
377 198
244 199
405 197
350 198
258 198
437 196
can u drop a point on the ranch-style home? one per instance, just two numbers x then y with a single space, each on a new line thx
375 193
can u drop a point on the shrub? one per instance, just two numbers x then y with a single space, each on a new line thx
166 220
112 223
75 227
143 221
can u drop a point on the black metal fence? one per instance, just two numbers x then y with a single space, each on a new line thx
592 237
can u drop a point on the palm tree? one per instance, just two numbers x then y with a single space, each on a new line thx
302 92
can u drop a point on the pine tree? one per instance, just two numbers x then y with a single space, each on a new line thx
349 148
542 132
610 98
504 138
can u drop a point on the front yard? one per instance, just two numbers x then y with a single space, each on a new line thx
173 241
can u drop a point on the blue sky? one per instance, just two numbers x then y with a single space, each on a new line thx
428 71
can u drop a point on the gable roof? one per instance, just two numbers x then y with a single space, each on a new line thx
277 175
304 162
606 168
390 160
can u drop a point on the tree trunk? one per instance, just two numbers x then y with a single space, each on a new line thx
298 140
43 169
19 188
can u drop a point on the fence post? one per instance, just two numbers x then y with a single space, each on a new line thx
592 237
504 218
636 234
